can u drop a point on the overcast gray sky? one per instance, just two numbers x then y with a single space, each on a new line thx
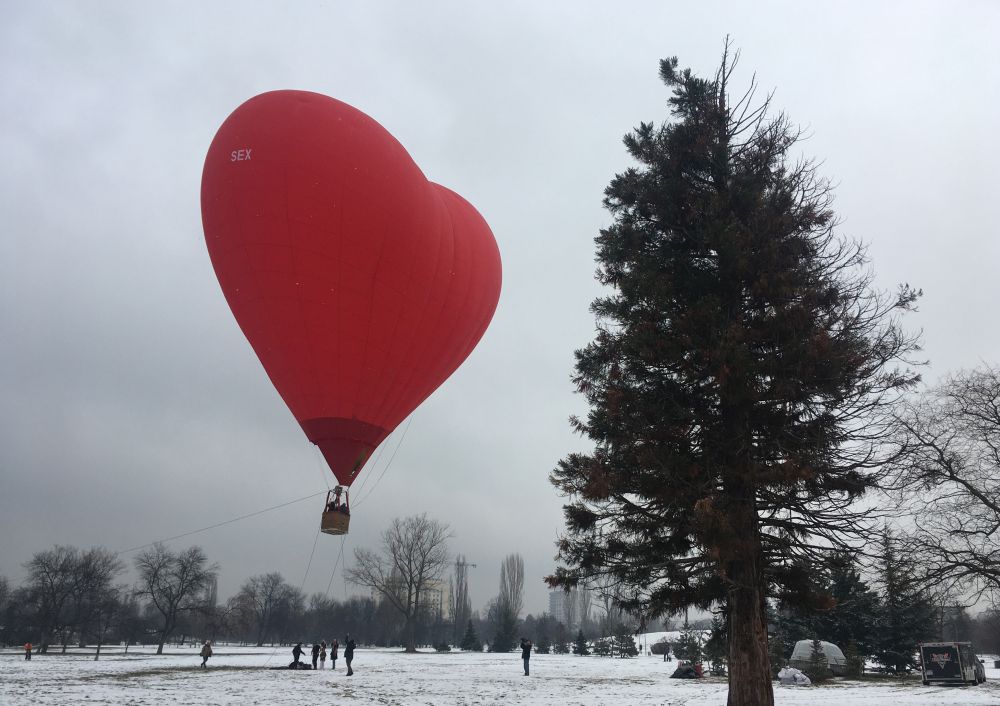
131 406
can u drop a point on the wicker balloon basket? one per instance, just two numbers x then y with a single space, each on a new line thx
335 522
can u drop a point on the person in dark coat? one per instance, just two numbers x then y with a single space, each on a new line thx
296 656
349 652
525 653
334 647
315 654
206 652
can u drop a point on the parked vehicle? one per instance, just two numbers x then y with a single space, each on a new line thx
951 663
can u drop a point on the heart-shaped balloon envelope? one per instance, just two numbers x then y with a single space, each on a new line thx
360 284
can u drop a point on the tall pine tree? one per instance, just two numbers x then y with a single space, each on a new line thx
715 648
907 614
854 614
471 641
741 377
844 609
689 644
818 668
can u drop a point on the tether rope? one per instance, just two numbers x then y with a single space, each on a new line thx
220 524
302 587
343 539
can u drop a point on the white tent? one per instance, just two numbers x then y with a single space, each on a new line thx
834 656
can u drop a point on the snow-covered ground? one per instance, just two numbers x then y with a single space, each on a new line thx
242 676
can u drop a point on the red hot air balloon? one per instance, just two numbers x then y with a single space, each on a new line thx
360 285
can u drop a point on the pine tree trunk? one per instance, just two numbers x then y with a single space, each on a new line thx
750 670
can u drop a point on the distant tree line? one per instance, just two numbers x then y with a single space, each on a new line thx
72 598
75 597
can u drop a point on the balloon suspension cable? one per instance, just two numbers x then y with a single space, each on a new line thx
374 464
322 468
391 459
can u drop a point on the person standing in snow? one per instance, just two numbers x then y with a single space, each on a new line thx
27 651
349 652
525 653
322 655
206 652
296 655
315 654
334 647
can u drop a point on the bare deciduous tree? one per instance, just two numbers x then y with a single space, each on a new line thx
95 599
608 590
105 609
414 554
460 603
585 601
507 608
51 576
512 584
949 480
262 598
174 583
569 609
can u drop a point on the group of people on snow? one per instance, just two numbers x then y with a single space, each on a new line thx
320 653
688 670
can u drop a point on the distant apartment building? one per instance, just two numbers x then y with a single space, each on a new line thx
435 597
564 607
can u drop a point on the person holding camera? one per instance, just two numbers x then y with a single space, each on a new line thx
526 646
349 653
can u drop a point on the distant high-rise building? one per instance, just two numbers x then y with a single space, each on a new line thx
563 607
556 599
212 595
